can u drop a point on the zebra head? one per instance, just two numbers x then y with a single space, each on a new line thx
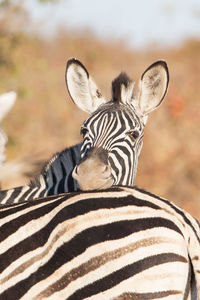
112 135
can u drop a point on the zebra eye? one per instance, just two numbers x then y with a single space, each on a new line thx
83 131
134 134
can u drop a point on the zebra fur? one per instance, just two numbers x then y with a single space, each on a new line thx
121 243
55 178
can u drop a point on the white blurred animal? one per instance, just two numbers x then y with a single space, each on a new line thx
7 101
28 166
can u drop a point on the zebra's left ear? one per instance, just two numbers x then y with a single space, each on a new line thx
82 89
153 87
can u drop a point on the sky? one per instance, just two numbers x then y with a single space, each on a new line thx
138 23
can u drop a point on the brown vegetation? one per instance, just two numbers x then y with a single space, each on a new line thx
44 120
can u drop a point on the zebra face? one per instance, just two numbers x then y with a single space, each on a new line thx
112 135
112 141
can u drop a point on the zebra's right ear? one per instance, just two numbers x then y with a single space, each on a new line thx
82 89
7 101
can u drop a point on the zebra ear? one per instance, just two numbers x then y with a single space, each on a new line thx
153 87
82 89
7 100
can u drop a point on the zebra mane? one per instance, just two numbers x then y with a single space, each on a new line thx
117 83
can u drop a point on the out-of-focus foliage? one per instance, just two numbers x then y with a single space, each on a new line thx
12 17
6 3
44 118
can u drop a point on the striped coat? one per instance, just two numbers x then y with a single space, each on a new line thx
122 243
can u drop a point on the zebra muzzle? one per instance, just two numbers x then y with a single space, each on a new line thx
93 174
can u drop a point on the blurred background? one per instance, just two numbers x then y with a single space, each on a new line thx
37 38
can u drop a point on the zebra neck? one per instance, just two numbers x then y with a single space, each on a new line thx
55 178
56 175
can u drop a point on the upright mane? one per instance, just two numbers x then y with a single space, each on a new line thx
117 83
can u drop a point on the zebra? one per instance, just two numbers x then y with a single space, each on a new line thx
55 178
120 149
112 135
118 243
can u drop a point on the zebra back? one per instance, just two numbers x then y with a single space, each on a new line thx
121 243
55 178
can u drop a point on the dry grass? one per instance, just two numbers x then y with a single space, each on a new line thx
44 120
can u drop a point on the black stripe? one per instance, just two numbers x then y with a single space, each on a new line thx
99 125
130 110
51 190
120 161
116 277
11 209
129 116
3 195
61 181
113 167
70 184
16 193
